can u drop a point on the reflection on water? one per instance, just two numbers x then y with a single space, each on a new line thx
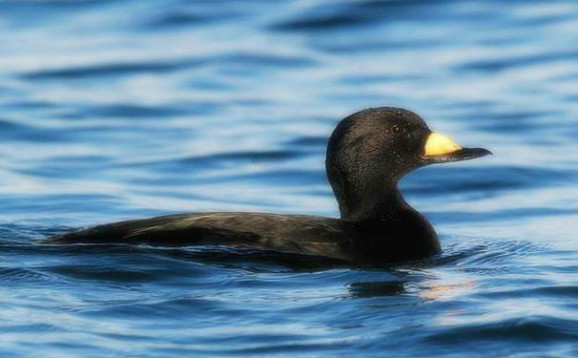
120 109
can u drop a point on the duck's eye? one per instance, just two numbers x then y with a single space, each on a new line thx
397 129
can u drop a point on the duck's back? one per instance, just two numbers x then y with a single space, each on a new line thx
293 233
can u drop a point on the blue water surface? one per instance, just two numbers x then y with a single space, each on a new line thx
117 109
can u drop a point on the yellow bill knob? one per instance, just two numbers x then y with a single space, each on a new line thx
438 144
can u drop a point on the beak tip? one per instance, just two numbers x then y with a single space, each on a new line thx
480 152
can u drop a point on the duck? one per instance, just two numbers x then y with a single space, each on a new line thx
368 153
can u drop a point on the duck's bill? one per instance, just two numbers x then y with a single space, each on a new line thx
441 149
459 155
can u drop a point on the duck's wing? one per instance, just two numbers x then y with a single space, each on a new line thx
118 232
292 233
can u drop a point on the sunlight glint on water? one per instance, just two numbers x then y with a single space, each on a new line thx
121 109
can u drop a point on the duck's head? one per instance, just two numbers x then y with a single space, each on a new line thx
371 150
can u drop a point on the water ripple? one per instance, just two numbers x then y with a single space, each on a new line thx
112 110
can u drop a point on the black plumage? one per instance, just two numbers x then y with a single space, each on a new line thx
367 154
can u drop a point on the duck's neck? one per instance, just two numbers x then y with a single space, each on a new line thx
376 205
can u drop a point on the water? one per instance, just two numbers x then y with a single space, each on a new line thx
121 109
